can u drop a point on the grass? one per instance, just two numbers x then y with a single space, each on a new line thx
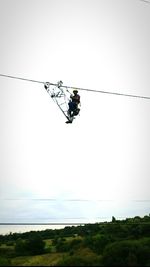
40 260
6 246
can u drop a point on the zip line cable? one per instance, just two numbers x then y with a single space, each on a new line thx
107 92
19 78
79 88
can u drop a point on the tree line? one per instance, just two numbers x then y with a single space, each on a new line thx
116 243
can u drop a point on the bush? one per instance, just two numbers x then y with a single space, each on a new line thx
20 247
97 243
10 243
6 252
79 261
4 262
33 246
126 253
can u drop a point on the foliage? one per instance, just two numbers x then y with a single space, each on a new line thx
97 243
115 243
63 245
20 247
126 253
33 246
79 261
4 261
7 252
79 255
38 260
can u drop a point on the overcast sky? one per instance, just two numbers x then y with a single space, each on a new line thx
99 166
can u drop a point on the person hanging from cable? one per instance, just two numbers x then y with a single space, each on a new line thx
73 104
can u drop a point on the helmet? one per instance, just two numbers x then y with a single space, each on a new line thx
75 91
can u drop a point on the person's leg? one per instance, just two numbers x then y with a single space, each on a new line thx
70 104
76 112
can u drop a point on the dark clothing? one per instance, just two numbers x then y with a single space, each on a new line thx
75 99
73 105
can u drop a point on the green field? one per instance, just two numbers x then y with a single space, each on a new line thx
40 260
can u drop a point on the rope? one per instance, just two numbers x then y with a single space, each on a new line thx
107 92
19 78
79 88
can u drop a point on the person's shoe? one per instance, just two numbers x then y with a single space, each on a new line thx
68 121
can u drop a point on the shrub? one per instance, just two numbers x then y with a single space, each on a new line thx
33 246
4 262
126 253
